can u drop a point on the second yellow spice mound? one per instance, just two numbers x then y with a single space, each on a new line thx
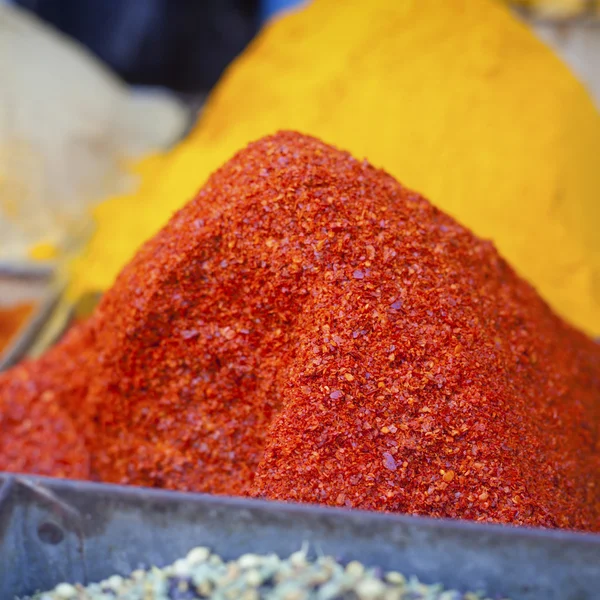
457 99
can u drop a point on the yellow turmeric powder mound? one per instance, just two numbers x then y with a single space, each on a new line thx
457 99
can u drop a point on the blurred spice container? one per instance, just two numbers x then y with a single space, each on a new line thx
572 29
11 320
28 297
559 9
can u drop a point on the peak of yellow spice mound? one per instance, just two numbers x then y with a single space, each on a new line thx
456 99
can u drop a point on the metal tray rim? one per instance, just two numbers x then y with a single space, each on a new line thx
132 492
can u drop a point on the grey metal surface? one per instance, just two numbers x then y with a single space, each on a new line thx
53 530
17 289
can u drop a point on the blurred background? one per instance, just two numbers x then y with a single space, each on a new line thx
185 45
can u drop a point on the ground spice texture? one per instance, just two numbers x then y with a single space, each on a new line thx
308 329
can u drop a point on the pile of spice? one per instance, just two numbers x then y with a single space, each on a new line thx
254 577
308 329
11 320
457 99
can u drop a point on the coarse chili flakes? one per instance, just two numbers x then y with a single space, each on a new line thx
45 423
308 329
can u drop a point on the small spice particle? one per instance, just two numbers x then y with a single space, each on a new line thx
370 589
198 555
448 476
389 462
65 591
355 569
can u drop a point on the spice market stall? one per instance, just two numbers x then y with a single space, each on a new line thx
306 328
389 401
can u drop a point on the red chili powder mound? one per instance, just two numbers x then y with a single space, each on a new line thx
308 329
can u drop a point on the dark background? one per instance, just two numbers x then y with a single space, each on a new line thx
183 45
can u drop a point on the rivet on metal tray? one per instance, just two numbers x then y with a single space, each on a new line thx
67 513
50 533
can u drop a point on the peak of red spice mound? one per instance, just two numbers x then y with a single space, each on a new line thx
308 329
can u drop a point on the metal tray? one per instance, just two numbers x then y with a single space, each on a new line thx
57 530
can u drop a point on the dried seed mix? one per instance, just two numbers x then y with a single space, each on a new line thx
254 577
